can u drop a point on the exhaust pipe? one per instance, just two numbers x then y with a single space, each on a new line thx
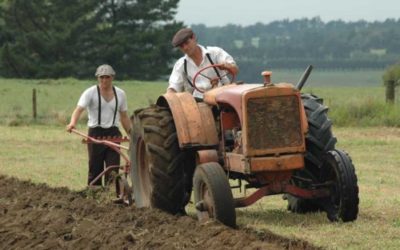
304 77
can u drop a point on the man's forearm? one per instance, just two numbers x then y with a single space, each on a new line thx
74 118
171 90
232 67
126 124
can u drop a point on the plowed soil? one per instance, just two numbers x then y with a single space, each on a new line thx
39 217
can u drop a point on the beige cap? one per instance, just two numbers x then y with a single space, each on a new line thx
181 36
104 70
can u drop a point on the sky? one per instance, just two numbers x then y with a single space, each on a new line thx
248 12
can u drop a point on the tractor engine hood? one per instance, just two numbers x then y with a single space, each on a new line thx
272 116
234 94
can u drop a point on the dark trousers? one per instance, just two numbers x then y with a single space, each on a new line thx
101 156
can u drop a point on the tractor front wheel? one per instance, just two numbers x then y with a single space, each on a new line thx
212 194
343 201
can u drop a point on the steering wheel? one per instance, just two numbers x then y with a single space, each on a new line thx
213 81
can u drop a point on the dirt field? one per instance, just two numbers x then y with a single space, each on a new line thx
38 217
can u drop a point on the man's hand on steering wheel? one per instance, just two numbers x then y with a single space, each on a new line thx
228 66
230 69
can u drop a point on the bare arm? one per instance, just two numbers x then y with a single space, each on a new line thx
171 90
126 123
74 118
232 67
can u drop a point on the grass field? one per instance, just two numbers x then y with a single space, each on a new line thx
48 154
318 78
366 127
56 99
350 104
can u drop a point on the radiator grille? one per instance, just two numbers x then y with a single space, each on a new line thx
274 122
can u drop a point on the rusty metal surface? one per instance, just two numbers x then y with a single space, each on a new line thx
194 122
274 122
229 94
236 163
273 176
279 188
116 139
304 121
114 146
267 76
229 120
210 96
268 165
208 124
204 156
286 162
269 126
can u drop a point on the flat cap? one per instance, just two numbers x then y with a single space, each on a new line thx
181 36
104 70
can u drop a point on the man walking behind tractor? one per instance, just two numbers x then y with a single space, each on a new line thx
195 58
106 106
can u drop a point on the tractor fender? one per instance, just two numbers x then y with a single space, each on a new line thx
205 156
194 122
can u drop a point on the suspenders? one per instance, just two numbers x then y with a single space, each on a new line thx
116 106
99 113
185 68
216 71
186 74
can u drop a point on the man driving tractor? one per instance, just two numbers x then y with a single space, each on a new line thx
197 57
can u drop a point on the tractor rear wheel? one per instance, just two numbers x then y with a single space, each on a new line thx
319 140
343 202
157 163
212 194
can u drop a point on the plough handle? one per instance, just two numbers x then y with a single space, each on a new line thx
105 142
114 146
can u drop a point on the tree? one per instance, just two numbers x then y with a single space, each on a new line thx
137 37
391 79
293 44
44 36
57 38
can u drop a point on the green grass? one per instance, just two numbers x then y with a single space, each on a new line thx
334 78
376 154
43 152
49 154
56 99
349 103
356 106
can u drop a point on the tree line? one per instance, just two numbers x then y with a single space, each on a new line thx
57 38
295 44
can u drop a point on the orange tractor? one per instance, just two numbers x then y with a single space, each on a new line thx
270 136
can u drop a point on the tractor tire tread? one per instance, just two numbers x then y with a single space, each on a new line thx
319 140
156 127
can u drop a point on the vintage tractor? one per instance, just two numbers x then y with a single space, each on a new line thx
276 139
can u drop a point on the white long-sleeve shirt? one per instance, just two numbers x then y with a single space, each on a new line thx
178 78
